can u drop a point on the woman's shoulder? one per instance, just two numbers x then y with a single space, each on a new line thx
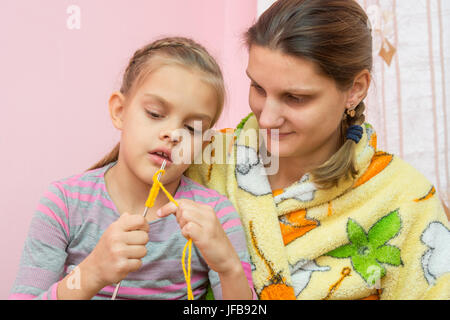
391 175
406 172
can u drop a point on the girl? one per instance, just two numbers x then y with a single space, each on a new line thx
88 231
340 219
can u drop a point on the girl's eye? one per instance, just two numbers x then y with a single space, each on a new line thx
154 114
192 130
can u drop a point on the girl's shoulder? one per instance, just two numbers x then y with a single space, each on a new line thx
81 184
193 190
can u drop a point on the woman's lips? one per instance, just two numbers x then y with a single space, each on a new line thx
281 135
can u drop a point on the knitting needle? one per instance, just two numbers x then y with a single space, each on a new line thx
116 290
163 166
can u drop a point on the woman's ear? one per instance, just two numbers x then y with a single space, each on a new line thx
359 90
116 106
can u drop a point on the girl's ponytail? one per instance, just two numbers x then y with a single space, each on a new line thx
110 157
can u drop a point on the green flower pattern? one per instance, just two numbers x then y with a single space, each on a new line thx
368 251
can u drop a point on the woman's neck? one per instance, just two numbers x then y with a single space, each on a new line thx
129 193
291 169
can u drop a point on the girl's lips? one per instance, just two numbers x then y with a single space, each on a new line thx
158 160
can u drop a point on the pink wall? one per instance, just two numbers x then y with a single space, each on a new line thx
56 82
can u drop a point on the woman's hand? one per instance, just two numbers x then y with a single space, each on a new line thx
200 223
120 249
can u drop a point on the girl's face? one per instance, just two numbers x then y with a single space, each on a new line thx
171 98
289 94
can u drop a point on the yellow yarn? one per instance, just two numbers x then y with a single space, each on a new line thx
149 203
187 275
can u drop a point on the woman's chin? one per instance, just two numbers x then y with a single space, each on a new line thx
281 149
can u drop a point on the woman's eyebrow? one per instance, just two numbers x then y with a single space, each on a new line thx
292 90
248 75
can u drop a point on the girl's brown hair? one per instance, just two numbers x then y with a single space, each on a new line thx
336 36
171 50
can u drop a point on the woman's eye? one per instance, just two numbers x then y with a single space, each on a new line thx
258 88
295 99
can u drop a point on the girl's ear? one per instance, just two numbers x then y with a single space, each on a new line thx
359 90
116 106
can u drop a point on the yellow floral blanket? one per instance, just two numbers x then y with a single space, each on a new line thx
383 236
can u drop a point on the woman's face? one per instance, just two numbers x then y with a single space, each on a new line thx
289 94
173 100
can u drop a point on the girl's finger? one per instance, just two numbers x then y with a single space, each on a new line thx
190 214
130 222
134 264
165 210
137 237
136 252
192 230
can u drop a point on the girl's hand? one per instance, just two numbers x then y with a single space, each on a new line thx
120 249
200 223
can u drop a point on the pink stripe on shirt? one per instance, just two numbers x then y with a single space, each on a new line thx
60 203
201 193
231 223
21 296
150 291
91 198
45 210
85 184
224 211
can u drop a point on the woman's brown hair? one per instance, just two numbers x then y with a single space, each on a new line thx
171 50
336 36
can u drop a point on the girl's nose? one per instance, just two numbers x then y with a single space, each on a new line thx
173 136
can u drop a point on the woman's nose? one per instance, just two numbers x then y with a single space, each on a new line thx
271 115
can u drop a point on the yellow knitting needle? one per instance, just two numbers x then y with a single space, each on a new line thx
148 204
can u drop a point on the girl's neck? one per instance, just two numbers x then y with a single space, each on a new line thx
129 193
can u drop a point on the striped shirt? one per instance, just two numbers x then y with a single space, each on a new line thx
73 214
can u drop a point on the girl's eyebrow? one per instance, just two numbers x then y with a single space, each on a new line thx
167 104
200 116
161 100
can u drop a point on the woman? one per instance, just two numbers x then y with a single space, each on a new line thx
339 219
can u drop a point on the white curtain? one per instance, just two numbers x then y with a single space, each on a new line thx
409 102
